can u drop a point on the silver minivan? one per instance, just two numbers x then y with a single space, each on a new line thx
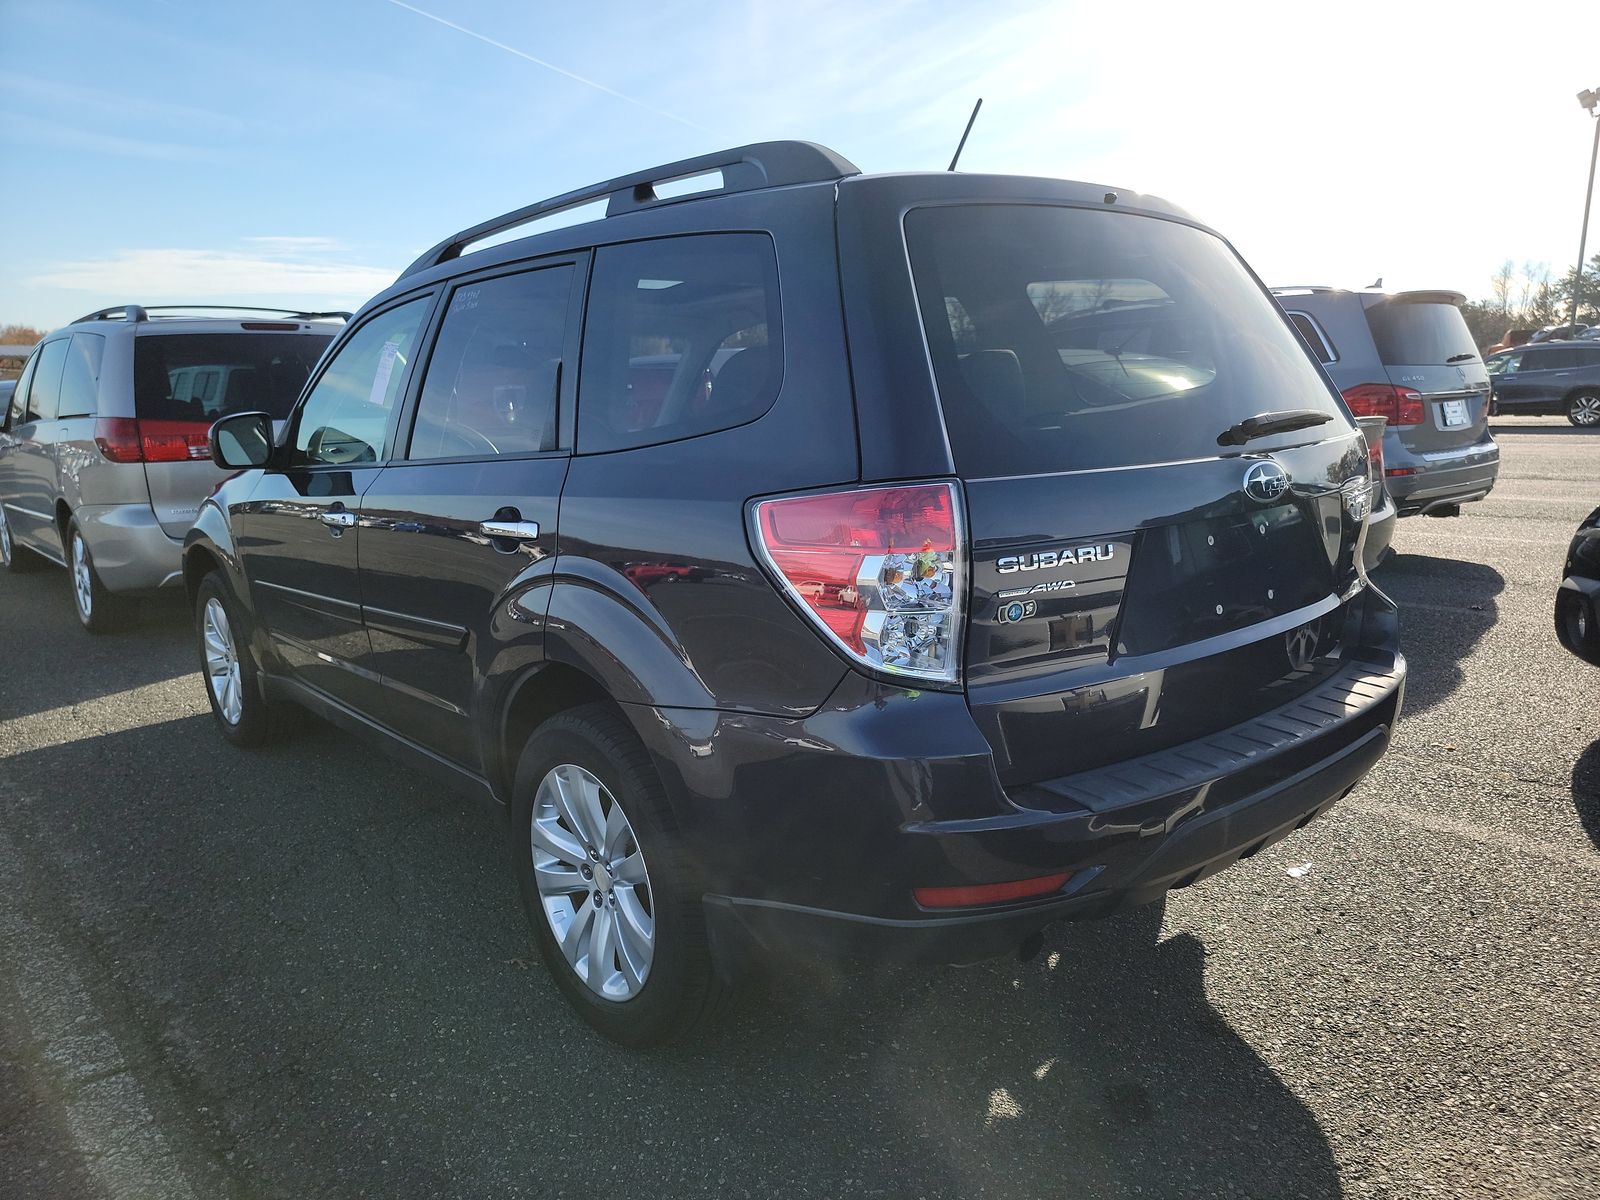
103 448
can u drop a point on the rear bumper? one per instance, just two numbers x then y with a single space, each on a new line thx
131 553
1442 479
1123 834
1380 533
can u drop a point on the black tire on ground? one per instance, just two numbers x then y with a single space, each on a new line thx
680 992
256 719
12 556
99 610
1583 409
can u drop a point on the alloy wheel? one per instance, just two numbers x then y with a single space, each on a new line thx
593 884
82 577
1586 409
222 663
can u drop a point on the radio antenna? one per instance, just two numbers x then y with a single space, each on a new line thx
962 145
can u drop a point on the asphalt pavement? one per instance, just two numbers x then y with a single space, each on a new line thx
303 971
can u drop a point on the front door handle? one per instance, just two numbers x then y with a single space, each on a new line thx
337 518
521 531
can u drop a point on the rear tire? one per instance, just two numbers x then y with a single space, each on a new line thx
12 556
1583 410
99 610
227 669
597 856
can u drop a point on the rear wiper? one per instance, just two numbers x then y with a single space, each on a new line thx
1460 357
1262 424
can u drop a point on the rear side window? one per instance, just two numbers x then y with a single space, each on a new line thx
1563 359
1068 338
1588 357
1308 328
1419 333
203 376
345 418
495 369
44 397
80 379
683 337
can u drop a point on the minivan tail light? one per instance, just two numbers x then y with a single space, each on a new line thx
1403 406
879 570
128 440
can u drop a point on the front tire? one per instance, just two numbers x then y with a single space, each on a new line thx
610 892
1583 410
99 610
232 682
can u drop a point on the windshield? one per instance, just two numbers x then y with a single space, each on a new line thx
204 376
1068 338
1420 333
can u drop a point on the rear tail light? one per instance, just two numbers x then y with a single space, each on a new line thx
1403 406
879 570
1375 459
127 440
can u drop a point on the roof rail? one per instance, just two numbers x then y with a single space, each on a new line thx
1303 287
136 312
744 169
117 312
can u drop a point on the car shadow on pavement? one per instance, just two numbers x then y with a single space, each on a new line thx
1502 426
319 962
1437 638
64 664
1586 791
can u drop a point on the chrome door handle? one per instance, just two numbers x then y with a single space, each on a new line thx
337 518
522 531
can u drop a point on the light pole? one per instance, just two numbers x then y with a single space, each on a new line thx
1590 100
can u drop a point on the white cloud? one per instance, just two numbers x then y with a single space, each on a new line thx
299 271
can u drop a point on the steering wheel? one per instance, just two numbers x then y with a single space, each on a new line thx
474 441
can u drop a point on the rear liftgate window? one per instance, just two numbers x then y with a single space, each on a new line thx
1065 339
683 338
202 377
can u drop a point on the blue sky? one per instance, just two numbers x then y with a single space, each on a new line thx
294 152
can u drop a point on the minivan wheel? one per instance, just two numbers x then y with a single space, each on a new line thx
232 682
1583 410
606 883
12 556
99 611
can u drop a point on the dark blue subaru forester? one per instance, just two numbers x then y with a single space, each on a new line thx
816 562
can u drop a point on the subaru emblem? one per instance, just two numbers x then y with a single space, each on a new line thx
1265 481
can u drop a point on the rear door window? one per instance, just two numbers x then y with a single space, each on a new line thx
683 337
1420 333
201 377
44 397
495 368
1067 338
80 379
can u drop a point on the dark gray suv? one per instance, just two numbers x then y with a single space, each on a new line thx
1410 358
1549 379
818 563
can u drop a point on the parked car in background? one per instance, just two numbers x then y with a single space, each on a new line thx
1408 357
1549 379
7 387
103 448
1578 598
1559 333
1004 572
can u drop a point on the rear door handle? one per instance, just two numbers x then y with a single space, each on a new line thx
522 531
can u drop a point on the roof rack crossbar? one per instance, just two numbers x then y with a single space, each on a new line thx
744 169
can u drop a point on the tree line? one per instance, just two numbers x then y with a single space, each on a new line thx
1531 298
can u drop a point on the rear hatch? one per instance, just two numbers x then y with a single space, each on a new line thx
186 380
1425 346
1135 582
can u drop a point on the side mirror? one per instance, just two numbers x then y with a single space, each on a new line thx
242 441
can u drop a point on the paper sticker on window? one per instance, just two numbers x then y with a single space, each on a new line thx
380 381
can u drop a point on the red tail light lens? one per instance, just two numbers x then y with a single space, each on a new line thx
126 440
118 439
1403 406
879 570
